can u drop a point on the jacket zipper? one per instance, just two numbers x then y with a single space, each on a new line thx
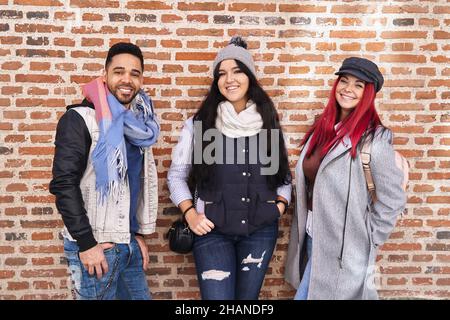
341 257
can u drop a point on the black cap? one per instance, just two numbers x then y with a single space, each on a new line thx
362 69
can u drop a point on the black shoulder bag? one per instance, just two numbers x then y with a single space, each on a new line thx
181 238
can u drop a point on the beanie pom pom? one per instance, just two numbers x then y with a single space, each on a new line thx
238 41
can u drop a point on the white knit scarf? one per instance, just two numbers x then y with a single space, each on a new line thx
235 125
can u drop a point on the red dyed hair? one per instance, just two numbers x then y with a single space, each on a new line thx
364 118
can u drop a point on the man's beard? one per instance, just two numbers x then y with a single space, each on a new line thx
115 94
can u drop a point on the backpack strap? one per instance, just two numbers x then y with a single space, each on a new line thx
365 159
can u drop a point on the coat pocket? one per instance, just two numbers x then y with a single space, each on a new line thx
265 210
369 228
214 207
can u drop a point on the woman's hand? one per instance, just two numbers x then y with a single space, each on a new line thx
281 208
198 222
282 205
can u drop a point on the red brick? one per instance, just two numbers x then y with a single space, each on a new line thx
39 66
170 18
404 34
6 199
10 90
351 22
44 285
35 174
405 9
403 46
423 141
12 65
46 3
400 270
350 46
36 151
171 43
50 273
305 93
301 45
429 47
170 68
42 261
36 236
403 58
396 281
91 30
15 211
41 78
298 58
438 223
443 282
32 28
6 274
146 31
353 9
14 187
428 22
301 8
292 33
64 42
18 285
38 199
352 34
402 246
200 6
35 91
92 17
422 281
5 249
252 7
197 92
150 5
192 81
11 40
197 32
400 95
94 3
197 44
91 42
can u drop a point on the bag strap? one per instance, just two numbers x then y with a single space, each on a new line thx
365 159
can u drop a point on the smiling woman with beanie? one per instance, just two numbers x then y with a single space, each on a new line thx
240 195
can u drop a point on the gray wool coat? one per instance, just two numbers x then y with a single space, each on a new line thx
347 228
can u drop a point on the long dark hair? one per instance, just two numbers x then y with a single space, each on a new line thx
202 174
360 123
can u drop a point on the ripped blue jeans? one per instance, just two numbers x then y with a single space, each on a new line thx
125 279
233 267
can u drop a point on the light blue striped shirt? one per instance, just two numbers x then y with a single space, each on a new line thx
181 165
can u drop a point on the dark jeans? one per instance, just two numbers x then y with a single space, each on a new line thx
125 279
233 267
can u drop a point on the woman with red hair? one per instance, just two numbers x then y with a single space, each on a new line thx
337 227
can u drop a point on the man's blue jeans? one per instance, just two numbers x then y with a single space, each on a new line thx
233 267
125 279
302 291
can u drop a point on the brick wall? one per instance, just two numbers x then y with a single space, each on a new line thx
49 47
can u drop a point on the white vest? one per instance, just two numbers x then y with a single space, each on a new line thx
110 221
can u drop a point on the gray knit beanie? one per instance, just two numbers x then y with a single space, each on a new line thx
237 50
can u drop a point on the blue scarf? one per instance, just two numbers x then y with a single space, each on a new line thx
139 125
